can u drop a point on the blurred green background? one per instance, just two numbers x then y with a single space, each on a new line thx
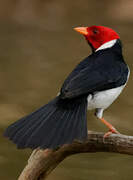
38 49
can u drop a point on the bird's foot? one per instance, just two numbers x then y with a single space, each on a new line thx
111 131
111 128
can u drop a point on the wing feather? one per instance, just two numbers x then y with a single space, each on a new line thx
95 73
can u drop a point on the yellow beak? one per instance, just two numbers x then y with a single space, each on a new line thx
81 30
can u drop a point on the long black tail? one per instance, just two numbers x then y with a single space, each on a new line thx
58 122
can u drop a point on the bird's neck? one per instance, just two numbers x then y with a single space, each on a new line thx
114 46
106 45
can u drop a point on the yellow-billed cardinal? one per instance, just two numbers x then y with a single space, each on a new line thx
94 84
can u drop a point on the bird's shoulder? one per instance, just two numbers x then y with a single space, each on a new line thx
97 71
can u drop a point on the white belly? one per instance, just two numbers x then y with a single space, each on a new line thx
103 99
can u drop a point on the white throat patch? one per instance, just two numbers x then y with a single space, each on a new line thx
107 45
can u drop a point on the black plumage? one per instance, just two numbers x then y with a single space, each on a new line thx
102 70
58 122
63 119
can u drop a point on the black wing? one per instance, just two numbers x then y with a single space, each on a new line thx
100 71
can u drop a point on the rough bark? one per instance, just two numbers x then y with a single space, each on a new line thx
42 162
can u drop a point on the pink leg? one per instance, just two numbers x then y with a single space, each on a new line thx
111 128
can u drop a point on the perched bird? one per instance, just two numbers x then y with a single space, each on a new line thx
94 84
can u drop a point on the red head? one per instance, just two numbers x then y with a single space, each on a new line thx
97 35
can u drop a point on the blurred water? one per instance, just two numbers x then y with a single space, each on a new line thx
38 49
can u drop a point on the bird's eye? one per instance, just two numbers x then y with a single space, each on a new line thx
95 31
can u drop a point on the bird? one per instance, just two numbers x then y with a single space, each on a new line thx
94 84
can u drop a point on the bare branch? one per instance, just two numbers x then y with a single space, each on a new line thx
42 162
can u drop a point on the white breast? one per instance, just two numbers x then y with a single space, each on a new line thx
103 99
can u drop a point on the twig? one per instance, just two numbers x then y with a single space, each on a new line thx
42 162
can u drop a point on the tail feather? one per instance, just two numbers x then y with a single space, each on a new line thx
41 130
24 122
53 133
84 125
57 123
76 124
60 137
26 131
72 122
